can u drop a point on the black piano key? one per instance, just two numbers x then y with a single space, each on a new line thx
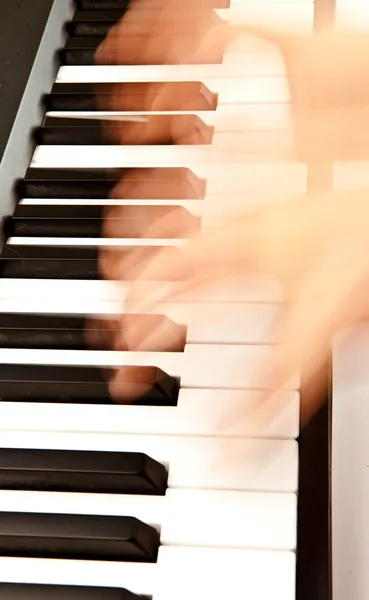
61 332
190 130
33 591
68 183
88 28
47 332
93 211
85 385
119 4
101 4
186 20
9 321
181 95
85 56
70 262
34 331
66 228
64 211
18 264
140 88
172 183
183 129
77 56
82 102
49 253
83 42
89 228
97 16
49 262
81 471
75 134
91 23
84 537
86 221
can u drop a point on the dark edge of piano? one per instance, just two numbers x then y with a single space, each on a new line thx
314 577
314 536
20 145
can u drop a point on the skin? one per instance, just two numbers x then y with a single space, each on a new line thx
318 248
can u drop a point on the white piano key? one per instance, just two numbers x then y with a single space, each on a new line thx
231 90
212 209
224 323
180 573
205 518
100 242
226 117
250 288
242 464
233 145
194 157
200 365
248 64
223 575
199 412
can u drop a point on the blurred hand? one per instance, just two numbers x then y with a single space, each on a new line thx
327 72
318 249
328 79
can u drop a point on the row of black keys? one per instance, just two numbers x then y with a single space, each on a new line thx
86 221
117 538
86 537
89 28
18 591
77 384
95 19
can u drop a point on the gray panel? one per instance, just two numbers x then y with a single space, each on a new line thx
18 151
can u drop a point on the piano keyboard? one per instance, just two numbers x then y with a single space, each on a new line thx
189 492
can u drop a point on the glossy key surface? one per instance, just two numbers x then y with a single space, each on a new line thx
68 471
86 537
24 591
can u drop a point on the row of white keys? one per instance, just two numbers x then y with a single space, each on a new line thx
199 412
199 366
180 573
205 518
195 462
